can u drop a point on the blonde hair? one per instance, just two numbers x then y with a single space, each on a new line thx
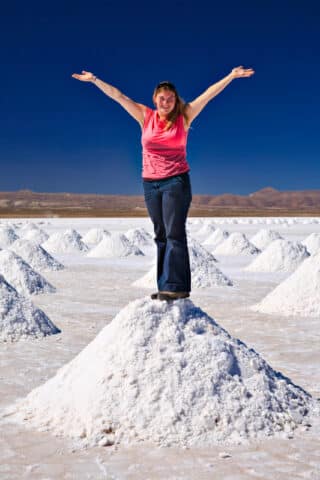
180 106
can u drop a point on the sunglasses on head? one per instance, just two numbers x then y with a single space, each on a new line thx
166 84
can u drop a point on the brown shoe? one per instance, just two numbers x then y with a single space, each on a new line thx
172 295
154 296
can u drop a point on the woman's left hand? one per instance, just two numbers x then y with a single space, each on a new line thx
240 72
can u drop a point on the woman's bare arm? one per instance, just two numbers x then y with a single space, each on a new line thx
136 110
194 108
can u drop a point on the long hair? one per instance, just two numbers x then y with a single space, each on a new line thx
180 106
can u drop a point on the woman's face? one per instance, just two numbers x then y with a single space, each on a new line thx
165 101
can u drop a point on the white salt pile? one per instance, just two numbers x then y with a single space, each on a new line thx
312 242
264 237
197 251
139 237
149 280
68 241
217 237
36 256
204 273
116 245
7 236
166 373
95 235
35 234
236 244
21 276
207 228
19 318
279 256
299 294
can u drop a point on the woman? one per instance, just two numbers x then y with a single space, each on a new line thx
166 182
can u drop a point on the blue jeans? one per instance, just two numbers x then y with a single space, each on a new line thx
168 202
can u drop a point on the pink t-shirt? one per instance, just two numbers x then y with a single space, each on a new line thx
163 151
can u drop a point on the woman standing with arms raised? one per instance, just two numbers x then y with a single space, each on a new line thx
165 172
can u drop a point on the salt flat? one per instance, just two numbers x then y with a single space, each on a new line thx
90 292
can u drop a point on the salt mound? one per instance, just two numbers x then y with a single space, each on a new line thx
280 255
166 373
7 236
264 237
35 234
35 255
95 235
217 237
236 244
299 294
116 245
197 251
139 236
207 229
19 318
21 276
204 273
312 242
65 242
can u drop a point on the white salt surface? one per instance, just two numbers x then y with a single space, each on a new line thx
264 237
168 374
89 295
236 244
36 256
35 234
21 276
7 236
68 241
217 237
19 318
279 256
312 242
299 294
115 245
207 228
95 235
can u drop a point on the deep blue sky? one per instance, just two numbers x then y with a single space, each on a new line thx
58 134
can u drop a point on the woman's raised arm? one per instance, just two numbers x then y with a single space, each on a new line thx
194 108
136 110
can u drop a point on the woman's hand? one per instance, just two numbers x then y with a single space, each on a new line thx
84 76
240 72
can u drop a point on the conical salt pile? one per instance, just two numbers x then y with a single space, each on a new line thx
207 229
139 237
21 276
166 373
116 245
7 236
19 318
197 251
35 234
279 256
236 244
217 237
312 242
65 242
36 256
299 294
95 235
264 237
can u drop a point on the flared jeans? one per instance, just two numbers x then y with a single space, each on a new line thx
168 202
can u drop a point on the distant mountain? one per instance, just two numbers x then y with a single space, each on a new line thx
267 201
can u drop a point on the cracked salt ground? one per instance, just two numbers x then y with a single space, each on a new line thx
86 296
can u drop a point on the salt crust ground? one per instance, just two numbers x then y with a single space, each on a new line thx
19 318
166 373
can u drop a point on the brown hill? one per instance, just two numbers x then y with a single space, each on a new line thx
267 201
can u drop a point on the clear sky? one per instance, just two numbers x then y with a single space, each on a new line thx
61 135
